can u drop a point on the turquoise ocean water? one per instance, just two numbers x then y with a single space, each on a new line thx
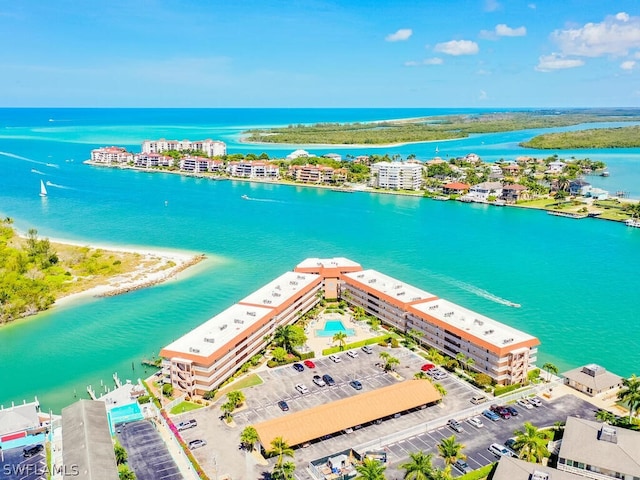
577 281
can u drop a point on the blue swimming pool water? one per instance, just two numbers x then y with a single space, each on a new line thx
331 327
125 413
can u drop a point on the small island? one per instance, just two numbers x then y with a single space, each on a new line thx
621 137
428 129
36 273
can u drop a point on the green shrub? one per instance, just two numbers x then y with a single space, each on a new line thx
209 395
144 399
533 375
394 343
501 390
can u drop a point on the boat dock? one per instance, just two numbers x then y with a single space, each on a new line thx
574 215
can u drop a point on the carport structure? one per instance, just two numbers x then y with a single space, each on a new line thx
307 425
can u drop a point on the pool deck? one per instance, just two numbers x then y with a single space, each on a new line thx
317 344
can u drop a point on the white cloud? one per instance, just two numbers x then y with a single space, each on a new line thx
433 61
491 5
616 35
502 30
411 63
628 65
400 35
483 95
548 63
457 47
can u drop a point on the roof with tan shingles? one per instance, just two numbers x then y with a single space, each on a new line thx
312 423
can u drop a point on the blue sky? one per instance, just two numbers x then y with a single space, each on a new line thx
320 53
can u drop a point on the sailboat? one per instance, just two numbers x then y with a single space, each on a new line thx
43 189
437 149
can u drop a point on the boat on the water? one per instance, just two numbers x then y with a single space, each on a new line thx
442 198
604 174
632 222
43 189
245 197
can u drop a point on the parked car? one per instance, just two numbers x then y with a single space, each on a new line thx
510 444
523 402
427 366
478 399
328 379
476 422
31 451
494 417
499 450
187 424
309 364
512 410
335 358
455 425
298 367
504 413
283 406
193 444
535 401
352 353
317 379
356 384
462 466
439 375
367 349
302 388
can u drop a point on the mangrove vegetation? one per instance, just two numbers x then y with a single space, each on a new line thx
621 137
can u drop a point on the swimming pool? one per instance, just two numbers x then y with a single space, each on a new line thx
124 413
331 327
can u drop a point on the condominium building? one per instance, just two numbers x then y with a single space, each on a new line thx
211 148
202 359
396 175
599 451
502 352
253 169
200 165
317 174
111 155
151 160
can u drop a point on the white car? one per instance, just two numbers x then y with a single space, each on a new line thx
367 349
499 450
352 353
335 358
302 388
535 401
524 403
476 422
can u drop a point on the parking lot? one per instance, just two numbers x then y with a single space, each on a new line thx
148 455
16 467
477 440
279 384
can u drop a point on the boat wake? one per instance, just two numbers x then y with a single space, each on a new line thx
52 165
478 291
18 157
267 200
55 185
33 170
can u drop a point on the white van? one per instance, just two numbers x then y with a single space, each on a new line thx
499 450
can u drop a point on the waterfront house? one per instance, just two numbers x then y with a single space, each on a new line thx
472 158
298 154
576 186
312 173
363 159
495 172
333 156
253 169
153 160
592 380
599 451
594 192
455 188
482 191
511 170
111 155
513 193
396 175
211 148
18 421
556 167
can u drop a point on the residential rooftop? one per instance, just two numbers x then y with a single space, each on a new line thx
390 286
207 338
336 262
491 331
277 292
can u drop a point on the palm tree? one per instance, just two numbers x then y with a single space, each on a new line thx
227 410
434 355
281 448
340 337
606 416
391 363
420 467
236 398
551 369
461 358
531 443
289 337
279 354
284 471
470 362
125 473
249 437
420 375
121 454
370 469
441 474
630 393
450 450
441 390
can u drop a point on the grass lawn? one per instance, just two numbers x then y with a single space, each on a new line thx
538 203
184 407
614 214
479 474
246 382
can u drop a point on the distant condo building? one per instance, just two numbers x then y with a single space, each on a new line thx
111 155
396 175
317 174
253 169
200 165
202 359
211 148
151 160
